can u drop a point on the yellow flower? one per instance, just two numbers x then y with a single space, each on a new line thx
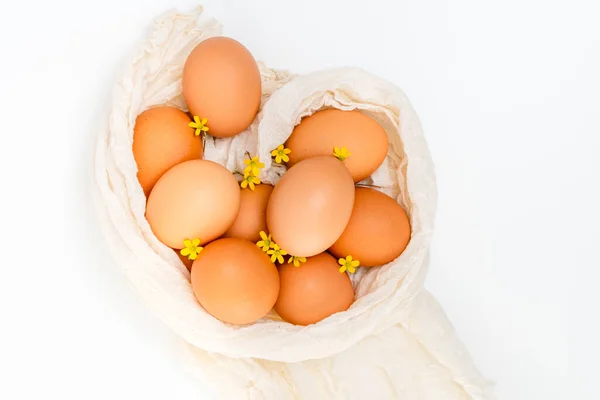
253 166
348 264
277 254
199 125
281 153
341 154
250 181
266 243
296 260
192 248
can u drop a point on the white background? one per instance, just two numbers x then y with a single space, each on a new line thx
509 96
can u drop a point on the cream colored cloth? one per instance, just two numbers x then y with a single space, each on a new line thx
393 343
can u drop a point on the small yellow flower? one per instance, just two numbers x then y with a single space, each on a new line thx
250 181
253 166
341 154
266 243
277 254
192 248
296 260
348 264
199 125
281 153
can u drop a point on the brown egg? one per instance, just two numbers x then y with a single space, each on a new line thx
378 231
310 206
221 82
235 281
318 134
313 291
161 140
252 217
185 260
194 199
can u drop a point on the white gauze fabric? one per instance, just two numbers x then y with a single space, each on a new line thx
393 343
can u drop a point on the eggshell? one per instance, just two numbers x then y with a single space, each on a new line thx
313 291
235 281
310 206
221 82
378 231
194 199
161 140
362 136
252 217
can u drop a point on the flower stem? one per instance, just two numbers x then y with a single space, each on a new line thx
369 186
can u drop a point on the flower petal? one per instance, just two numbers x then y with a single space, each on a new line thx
184 252
243 184
192 256
283 252
355 263
351 269
196 242
274 153
285 158
280 259
275 246
263 235
341 261
342 269
280 147
196 119
273 258
291 259
251 184
348 258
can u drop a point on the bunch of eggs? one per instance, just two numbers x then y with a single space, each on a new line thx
253 247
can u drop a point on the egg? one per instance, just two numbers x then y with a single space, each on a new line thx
320 133
252 217
313 291
221 82
235 281
378 231
310 206
196 199
161 140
